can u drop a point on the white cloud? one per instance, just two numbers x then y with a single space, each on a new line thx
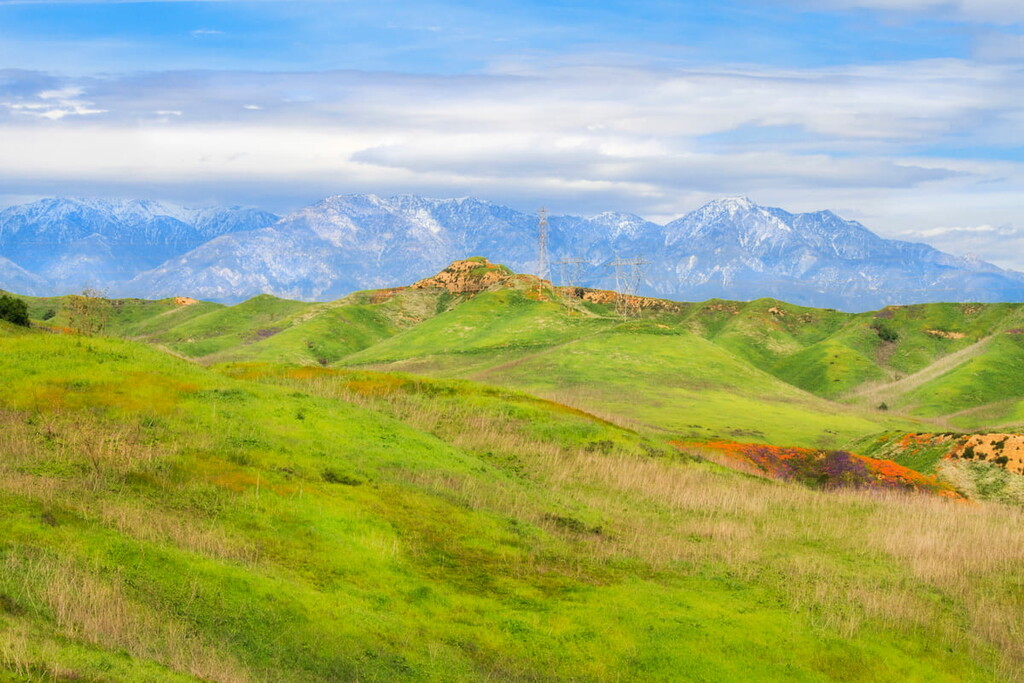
54 104
1001 245
200 32
657 141
992 11
61 94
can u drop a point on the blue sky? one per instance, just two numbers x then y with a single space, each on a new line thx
905 114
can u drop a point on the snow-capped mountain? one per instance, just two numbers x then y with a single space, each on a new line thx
345 243
730 248
735 248
77 242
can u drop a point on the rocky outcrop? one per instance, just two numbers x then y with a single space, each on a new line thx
467 276
635 303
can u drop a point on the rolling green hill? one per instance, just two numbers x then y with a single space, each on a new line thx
165 521
762 370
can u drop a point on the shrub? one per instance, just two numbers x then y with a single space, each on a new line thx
13 310
884 332
332 476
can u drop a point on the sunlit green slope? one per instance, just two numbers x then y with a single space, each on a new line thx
168 522
762 369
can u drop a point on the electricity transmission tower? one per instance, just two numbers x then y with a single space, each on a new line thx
629 273
542 244
572 271
572 278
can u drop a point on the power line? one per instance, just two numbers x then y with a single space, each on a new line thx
542 243
571 271
629 273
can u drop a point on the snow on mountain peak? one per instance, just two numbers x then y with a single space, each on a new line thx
730 247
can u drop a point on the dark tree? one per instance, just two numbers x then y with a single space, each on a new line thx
13 310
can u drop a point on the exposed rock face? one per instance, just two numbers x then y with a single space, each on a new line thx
998 448
1002 449
628 301
468 276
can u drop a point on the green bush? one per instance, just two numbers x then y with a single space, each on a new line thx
884 332
13 310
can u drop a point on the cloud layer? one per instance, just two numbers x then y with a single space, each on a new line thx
652 140
551 106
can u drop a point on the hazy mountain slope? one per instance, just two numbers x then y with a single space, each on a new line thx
15 279
736 249
344 244
729 248
73 243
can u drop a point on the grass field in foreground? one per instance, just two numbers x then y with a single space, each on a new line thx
294 524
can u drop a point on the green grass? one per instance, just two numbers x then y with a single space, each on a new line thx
839 357
169 522
510 320
657 375
994 376
922 457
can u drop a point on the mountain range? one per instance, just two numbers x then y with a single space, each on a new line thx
68 244
729 248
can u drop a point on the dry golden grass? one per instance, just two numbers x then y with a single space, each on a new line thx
474 431
118 447
196 535
91 610
14 649
116 450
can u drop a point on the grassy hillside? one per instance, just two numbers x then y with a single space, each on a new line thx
653 373
929 366
169 522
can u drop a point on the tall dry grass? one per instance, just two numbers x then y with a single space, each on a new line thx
15 652
460 425
848 559
825 551
88 609
102 453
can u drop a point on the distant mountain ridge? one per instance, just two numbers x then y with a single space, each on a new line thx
729 248
73 242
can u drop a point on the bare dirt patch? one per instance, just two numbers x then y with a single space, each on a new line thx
943 334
